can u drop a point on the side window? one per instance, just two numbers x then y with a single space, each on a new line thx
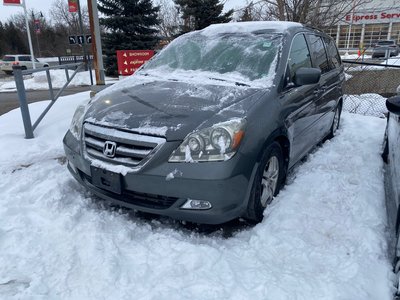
319 54
333 53
299 56
24 58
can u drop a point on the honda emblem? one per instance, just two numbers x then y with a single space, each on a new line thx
109 149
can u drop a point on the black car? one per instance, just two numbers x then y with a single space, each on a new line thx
391 156
385 48
207 130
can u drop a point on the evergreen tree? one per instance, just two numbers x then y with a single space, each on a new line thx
198 14
15 40
2 38
130 25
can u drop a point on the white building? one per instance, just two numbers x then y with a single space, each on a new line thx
368 23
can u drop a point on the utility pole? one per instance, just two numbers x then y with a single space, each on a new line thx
85 54
96 41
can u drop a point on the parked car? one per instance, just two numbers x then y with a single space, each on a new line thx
207 130
382 47
23 60
391 156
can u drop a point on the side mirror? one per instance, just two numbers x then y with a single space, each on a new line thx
393 105
304 76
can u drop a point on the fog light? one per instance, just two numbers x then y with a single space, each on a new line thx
196 204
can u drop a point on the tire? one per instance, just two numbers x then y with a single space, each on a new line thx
336 121
23 68
385 147
8 72
272 162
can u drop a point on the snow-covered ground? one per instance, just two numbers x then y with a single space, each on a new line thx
38 81
324 236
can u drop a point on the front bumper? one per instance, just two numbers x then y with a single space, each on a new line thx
226 185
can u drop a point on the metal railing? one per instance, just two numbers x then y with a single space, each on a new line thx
19 82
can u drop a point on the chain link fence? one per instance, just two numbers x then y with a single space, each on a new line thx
369 84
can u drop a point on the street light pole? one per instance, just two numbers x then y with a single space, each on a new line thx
29 35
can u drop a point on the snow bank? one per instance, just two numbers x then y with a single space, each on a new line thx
322 238
38 81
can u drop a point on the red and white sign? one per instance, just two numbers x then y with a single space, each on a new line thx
131 60
12 2
72 6
36 25
374 17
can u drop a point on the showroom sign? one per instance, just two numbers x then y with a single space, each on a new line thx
12 2
131 60
374 17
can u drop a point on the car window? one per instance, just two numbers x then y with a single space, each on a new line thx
318 53
333 54
385 43
8 58
24 58
250 56
299 56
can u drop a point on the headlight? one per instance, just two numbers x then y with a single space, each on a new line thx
216 143
77 120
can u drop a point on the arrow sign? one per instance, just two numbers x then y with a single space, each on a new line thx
81 39
88 39
131 60
72 40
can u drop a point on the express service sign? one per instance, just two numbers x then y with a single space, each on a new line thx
12 2
131 60
386 16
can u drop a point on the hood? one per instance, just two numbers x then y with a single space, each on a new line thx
169 109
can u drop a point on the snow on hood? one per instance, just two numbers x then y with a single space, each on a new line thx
170 109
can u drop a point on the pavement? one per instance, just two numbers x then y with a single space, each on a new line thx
9 100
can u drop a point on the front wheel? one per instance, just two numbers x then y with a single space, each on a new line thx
336 121
267 182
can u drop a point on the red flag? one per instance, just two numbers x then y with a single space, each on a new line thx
72 6
12 2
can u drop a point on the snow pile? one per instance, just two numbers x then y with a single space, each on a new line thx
366 104
48 135
394 61
322 238
38 81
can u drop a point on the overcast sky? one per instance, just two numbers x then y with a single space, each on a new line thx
44 6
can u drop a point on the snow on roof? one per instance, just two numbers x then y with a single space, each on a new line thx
279 26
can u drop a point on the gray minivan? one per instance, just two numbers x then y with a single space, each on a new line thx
207 130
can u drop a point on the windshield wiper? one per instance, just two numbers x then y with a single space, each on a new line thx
236 82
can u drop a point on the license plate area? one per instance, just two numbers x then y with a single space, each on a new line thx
106 180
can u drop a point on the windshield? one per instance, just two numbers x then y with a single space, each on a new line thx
385 43
8 58
251 56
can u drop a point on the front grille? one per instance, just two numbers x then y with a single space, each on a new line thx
132 149
136 198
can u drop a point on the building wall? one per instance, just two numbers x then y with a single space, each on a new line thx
367 24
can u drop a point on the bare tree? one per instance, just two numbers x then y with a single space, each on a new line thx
170 20
318 13
61 16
